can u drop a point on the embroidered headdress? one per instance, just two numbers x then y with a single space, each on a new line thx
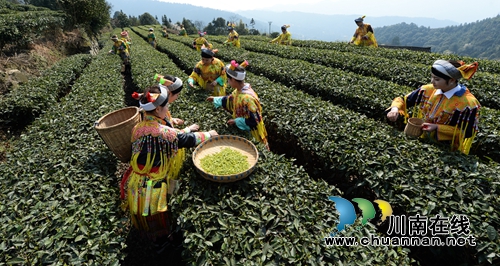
173 86
360 19
238 75
207 53
446 70
153 99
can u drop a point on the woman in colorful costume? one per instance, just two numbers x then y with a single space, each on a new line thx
233 39
164 33
155 164
126 38
449 110
285 38
209 73
174 87
152 38
363 36
243 103
183 31
120 48
201 41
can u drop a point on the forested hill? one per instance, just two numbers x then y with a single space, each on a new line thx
476 39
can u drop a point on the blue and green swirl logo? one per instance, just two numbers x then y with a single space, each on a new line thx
348 213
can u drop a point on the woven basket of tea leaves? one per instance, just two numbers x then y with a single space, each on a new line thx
225 158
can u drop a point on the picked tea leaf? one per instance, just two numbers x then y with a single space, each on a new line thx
226 162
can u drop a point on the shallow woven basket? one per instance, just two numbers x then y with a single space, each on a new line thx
216 144
115 129
414 127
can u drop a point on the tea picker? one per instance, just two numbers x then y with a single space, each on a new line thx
209 73
243 104
155 165
449 111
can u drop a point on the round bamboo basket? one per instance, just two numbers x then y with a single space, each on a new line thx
115 128
215 145
414 127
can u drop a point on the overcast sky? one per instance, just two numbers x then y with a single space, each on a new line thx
461 11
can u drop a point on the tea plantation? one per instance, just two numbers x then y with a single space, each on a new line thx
323 105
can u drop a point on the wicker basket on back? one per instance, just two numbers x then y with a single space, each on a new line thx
115 129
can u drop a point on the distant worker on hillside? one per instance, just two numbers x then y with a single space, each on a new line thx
183 31
152 38
363 36
449 110
209 73
120 48
164 32
285 38
200 41
233 39
124 36
126 39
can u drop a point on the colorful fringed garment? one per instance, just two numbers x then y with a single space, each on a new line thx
233 39
364 30
199 42
152 39
283 39
127 42
206 74
157 157
245 106
122 49
457 117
